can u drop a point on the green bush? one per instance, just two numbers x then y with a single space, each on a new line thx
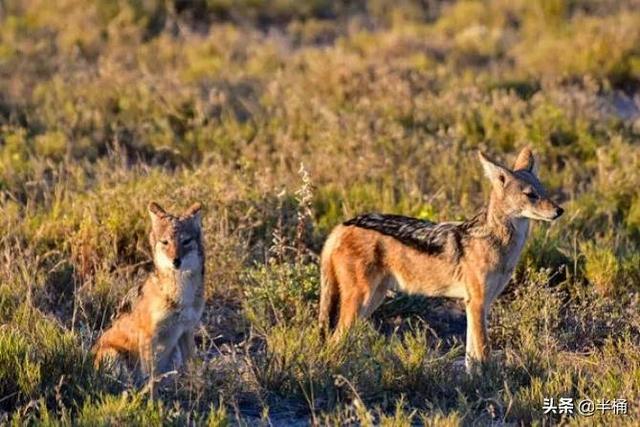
284 119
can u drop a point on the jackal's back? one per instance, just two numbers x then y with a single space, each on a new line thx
422 235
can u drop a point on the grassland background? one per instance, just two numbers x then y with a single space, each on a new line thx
284 118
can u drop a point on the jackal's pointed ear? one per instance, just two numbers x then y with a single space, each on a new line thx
195 212
525 161
496 173
156 213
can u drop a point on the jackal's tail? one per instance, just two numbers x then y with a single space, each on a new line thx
329 296
329 288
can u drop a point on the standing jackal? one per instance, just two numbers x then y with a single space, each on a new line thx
473 260
158 334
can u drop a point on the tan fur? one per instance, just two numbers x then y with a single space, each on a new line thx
474 261
158 334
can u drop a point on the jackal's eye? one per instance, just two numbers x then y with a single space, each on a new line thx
187 241
164 242
531 195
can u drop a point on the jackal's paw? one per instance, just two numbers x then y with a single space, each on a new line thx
474 366
177 359
458 365
497 355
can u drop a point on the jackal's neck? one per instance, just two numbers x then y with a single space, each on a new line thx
503 227
177 284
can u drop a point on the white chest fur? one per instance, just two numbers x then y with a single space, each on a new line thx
498 280
520 233
183 303
190 297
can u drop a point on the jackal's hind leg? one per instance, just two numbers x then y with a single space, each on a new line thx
366 293
349 307
107 356
114 346
376 297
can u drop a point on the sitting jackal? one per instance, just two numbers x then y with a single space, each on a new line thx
472 260
158 334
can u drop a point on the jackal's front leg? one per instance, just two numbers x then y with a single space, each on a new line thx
187 345
477 350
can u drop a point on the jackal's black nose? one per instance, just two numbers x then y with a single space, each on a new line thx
559 212
176 262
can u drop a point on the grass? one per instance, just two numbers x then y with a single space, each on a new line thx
284 119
